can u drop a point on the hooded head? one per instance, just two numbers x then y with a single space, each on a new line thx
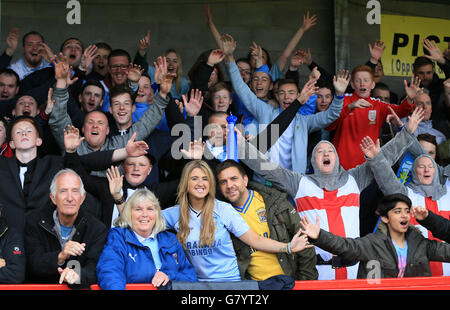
328 173
425 178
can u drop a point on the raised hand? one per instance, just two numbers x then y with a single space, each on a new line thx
135 73
296 61
12 40
215 57
228 44
369 148
162 76
340 82
195 151
61 67
305 56
46 52
136 148
376 51
144 43
72 139
435 52
414 119
308 21
86 59
310 229
50 102
195 102
308 90
115 182
207 15
413 89
393 118
315 74
256 52
420 213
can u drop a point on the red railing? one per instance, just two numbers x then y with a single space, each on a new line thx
425 283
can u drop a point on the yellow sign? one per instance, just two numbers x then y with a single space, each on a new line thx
403 37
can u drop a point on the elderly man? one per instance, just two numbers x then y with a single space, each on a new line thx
64 243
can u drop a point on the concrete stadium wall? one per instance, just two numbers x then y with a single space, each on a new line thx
180 24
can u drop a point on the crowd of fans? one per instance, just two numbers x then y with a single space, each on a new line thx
119 170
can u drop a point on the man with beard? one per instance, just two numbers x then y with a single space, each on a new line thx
32 47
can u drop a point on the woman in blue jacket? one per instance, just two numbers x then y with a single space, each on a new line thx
138 250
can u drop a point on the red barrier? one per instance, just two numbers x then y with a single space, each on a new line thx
423 283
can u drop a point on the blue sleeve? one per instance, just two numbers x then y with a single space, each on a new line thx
111 264
171 216
232 220
309 107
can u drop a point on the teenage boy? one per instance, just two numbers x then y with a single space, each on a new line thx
395 250
363 115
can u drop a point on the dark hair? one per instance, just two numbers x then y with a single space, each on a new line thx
268 60
119 90
282 82
93 83
430 139
29 34
72 38
420 62
381 85
119 52
389 202
11 72
229 163
203 57
104 46
322 83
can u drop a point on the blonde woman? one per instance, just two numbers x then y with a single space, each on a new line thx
203 226
139 250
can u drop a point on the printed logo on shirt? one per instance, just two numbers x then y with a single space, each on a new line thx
372 116
262 215
17 251
195 249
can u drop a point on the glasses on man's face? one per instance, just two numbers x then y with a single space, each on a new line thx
119 67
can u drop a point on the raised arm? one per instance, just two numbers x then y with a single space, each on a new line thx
308 22
212 27
283 179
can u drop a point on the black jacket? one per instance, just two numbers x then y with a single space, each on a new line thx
43 246
15 205
378 248
438 225
99 187
12 251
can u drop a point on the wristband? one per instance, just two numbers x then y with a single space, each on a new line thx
339 97
288 248
119 201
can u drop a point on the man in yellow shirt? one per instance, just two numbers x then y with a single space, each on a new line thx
268 213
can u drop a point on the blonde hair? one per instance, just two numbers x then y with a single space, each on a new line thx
208 227
141 196
179 68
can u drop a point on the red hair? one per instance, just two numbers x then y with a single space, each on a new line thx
362 68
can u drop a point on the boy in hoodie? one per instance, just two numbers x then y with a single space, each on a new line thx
397 248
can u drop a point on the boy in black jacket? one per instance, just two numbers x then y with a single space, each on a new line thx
396 249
